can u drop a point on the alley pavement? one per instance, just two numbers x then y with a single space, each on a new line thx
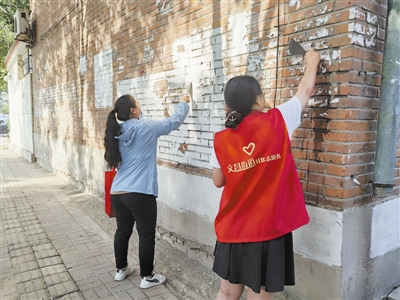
52 249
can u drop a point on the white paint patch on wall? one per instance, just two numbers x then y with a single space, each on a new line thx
142 88
385 228
335 100
321 239
82 64
238 36
294 2
103 79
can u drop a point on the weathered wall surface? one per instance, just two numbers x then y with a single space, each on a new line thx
90 52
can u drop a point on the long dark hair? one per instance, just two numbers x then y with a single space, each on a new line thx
121 111
240 94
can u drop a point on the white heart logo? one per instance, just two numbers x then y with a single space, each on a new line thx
249 149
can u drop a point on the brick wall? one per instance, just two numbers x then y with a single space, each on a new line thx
90 52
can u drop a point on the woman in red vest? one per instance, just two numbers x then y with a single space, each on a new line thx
262 201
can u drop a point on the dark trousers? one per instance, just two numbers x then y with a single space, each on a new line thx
142 209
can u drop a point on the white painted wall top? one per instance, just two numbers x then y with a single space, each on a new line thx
385 228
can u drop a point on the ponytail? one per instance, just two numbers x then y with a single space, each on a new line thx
122 109
233 118
112 154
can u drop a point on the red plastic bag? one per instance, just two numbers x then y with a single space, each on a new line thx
108 179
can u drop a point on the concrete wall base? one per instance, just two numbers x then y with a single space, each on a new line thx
29 156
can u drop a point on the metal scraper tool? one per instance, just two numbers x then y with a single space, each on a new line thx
189 90
295 48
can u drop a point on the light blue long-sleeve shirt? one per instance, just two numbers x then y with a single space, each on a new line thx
138 146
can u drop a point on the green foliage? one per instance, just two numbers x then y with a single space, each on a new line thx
4 109
7 11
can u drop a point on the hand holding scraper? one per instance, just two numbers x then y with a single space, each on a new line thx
296 49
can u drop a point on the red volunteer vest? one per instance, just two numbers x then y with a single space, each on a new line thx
262 197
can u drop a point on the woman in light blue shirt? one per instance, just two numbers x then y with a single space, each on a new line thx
131 148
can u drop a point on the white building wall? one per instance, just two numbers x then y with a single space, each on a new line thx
20 105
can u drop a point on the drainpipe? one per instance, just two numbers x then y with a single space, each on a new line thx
389 106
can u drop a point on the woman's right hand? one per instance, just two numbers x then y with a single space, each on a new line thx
186 98
312 57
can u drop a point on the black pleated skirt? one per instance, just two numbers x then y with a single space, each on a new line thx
269 264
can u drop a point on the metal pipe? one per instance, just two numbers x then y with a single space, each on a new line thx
389 106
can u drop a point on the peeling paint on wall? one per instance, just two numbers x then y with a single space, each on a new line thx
372 19
320 45
370 42
319 34
355 13
164 7
148 54
255 62
322 20
120 63
356 39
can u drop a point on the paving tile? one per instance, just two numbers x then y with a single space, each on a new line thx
31 265
120 286
90 295
53 269
136 293
169 296
49 261
29 275
88 283
62 289
102 291
157 290
72 296
41 294
122 295
31 286
23 258
56 278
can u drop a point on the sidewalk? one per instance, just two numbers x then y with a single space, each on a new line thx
56 242
52 249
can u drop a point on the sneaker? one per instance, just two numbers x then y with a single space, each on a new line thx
157 279
121 275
